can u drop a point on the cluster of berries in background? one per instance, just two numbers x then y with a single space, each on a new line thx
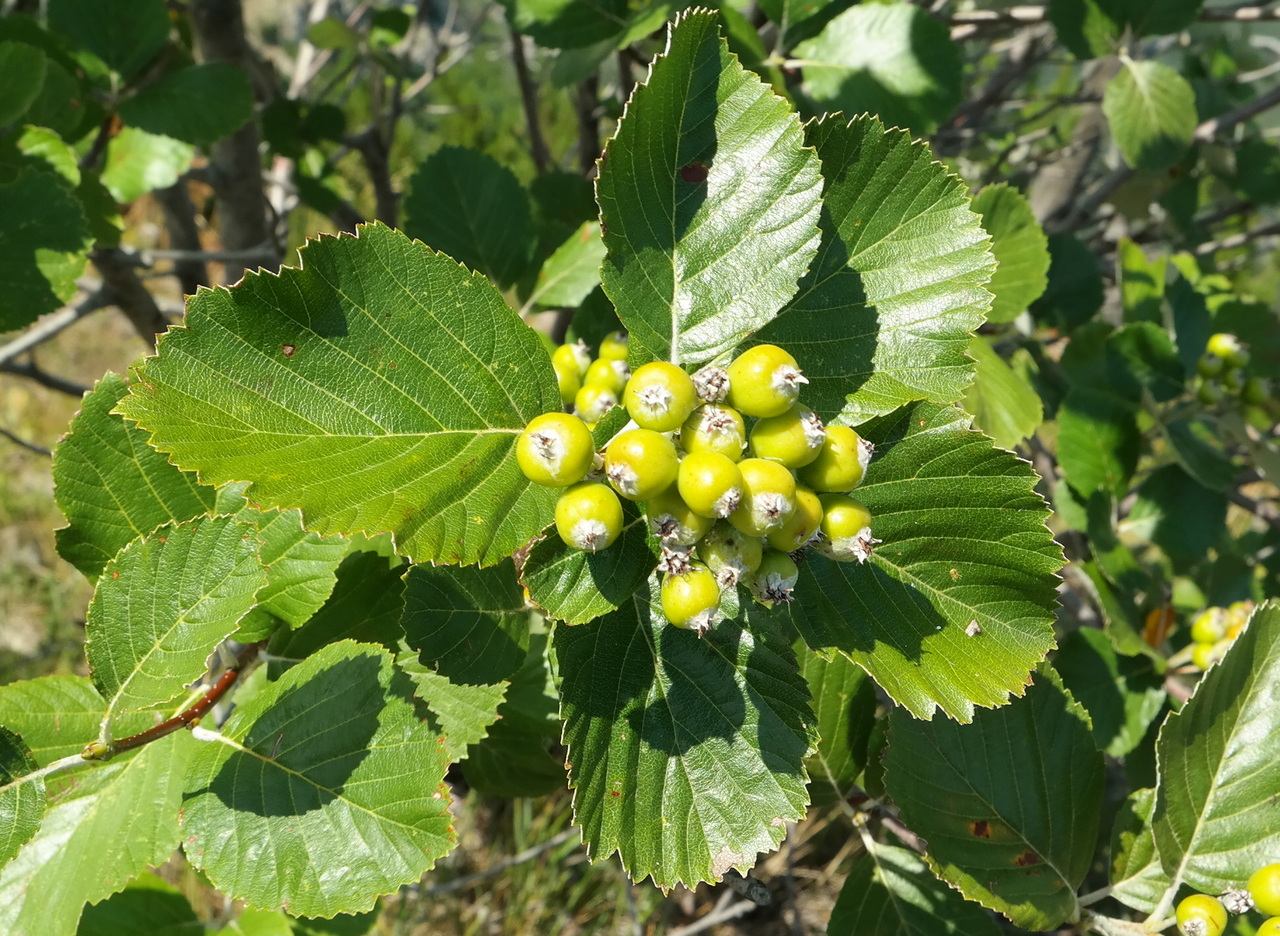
1202 915
1223 380
1214 629
736 475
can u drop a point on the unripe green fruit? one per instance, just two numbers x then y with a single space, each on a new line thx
730 554
1209 626
568 380
589 516
640 463
1201 915
690 600
592 402
802 524
841 464
1264 886
764 381
1256 391
674 522
555 450
714 428
606 373
660 396
1229 348
768 497
1209 392
774 580
795 438
572 357
1210 365
1270 927
1204 655
846 529
1233 380
615 346
710 483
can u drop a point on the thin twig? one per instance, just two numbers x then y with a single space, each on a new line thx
1024 15
23 443
34 372
462 883
1215 125
529 99
1237 240
715 918
1265 512
51 324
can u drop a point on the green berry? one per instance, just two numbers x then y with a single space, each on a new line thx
690 599
555 450
795 438
572 357
673 521
841 464
764 381
1264 885
660 396
1209 626
846 528
567 379
710 483
640 463
1210 365
768 496
1209 392
801 526
1256 391
615 346
1204 655
774 580
1229 348
714 428
606 373
593 401
1233 380
589 516
1201 915
731 554
1270 927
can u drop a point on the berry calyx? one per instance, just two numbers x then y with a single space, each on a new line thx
615 346
660 396
555 450
841 464
1201 915
589 516
674 522
1264 885
593 401
690 600
764 381
801 526
795 438
713 428
1237 900
640 463
608 373
730 554
775 579
711 383
710 484
846 529
768 496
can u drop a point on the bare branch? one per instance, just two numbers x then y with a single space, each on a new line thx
23 443
1212 127
34 372
1024 15
529 98
51 324
587 105
127 291
184 236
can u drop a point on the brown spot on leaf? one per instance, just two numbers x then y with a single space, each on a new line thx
694 173
1026 859
980 828
288 349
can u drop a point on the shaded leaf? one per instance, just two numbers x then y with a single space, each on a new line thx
124 35
22 798
708 201
1098 441
1075 290
1178 514
149 906
22 70
1152 113
462 714
198 104
1141 283
1122 695
570 274
379 387
844 701
1009 804
322 791
1137 880
44 243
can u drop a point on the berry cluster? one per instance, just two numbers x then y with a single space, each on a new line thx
1214 629
1222 375
721 518
1202 915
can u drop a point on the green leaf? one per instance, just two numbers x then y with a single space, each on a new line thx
1009 804
570 274
1122 695
379 387
1200 454
1092 28
1152 113
462 202
198 104
22 798
686 752
111 486
44 243
300 565
709 202
1215 799
58 715
322 791
163 604
44 145
469 625
22 69
1141 358
1141 283
1020 247
890 60
1075 289
1137 880
798 20
1004 405
149 906
462 714
575 587
573 24
869 333
1098 441
139 162
892 892
844 701
126 34
107 827
964 541
1178 514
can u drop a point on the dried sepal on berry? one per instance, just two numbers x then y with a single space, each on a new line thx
764 381
846 529
711 383
775 579
660 396
555 450
730 554
715 428
673 522
589 517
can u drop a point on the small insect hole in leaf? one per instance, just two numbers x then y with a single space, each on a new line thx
288 349
694 173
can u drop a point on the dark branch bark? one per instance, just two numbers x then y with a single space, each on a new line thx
180 219
120 277
529 98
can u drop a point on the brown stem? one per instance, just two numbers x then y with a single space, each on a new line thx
588 125
529 98
180 219
127 291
